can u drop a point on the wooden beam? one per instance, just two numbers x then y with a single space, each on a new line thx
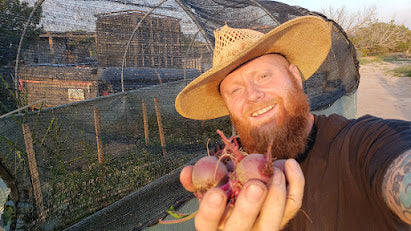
97 125
34 174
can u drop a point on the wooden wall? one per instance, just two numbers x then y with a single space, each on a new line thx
155 44
57 85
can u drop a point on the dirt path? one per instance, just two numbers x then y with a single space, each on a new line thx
382 94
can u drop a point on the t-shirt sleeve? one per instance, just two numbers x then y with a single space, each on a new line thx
378 142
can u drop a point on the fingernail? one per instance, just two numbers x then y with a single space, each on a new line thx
215 200
254 193
277 176
292 164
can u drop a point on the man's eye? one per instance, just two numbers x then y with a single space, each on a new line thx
263 76
235 91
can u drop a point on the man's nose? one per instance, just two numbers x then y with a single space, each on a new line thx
254 93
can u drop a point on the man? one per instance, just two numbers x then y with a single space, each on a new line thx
343 174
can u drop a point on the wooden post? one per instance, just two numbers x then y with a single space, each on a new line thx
145 119
158 77
28 140
160 127
51 49
152 43
97 125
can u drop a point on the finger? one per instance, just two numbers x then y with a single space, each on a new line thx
280 164
247 206
274 206
296 181
211 210
185 178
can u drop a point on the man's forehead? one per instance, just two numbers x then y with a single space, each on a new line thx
273 58
267 58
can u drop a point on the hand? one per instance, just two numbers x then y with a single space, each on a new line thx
258 206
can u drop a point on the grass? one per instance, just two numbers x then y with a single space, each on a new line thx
392 59
369 59
382 58
402 71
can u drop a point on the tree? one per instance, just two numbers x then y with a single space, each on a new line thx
368 35
13 16
351 22
380 37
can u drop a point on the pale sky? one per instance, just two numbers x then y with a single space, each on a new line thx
399 10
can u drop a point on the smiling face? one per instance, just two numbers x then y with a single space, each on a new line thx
267 104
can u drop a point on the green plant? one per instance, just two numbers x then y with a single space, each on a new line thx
13 16
8 100
378 38
404 71
369 59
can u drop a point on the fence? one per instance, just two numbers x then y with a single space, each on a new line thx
85 156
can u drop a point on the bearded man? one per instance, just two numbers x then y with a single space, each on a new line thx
343 174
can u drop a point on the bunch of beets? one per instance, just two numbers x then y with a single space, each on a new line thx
230 168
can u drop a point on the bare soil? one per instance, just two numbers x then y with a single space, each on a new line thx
383 94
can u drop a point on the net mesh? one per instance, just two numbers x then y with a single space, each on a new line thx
98 144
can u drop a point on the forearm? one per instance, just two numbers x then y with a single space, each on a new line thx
397 186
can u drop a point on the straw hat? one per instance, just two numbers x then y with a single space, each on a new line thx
304 41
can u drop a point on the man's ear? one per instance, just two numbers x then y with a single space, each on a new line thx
295 72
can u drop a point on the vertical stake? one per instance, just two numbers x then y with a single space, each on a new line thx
28 140
160 127
51 47
145 119
97 125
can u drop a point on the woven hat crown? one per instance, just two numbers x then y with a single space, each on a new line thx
231 41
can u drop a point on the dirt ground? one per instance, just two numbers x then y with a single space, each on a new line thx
382 94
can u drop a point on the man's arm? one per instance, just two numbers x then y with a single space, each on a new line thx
396 186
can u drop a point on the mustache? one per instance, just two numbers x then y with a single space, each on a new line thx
260 105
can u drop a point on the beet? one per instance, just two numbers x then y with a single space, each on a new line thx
209 172
254 166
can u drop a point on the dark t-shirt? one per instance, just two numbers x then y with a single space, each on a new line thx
344 170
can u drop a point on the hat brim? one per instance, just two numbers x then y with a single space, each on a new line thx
304 41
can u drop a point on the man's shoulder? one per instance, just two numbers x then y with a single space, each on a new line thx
335 125
341 121
373 122
331 125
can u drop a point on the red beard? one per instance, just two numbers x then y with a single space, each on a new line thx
289 137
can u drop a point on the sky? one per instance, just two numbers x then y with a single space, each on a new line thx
399 10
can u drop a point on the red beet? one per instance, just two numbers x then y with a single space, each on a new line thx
254 166
209 172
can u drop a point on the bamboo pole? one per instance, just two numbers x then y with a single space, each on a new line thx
145 119
160 127
97 125
28 140
23 34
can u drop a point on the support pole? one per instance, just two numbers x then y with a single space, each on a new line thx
97 125
51 49
145 119
28 140
160 127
